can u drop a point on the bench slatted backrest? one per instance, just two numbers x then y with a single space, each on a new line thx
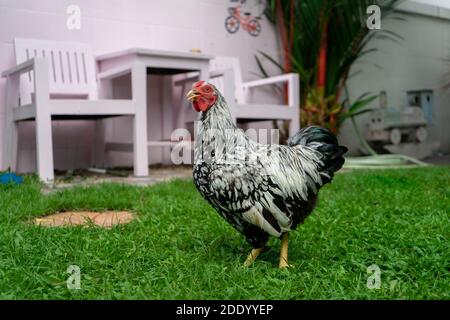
71 68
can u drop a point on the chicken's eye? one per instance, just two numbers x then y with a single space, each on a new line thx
207 89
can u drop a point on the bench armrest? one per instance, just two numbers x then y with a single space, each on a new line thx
39 68
20 68
268 81
293 86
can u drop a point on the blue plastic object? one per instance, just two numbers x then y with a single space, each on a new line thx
6 178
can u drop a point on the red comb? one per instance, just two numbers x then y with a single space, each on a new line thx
199 83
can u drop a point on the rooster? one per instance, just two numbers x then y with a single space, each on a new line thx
261 190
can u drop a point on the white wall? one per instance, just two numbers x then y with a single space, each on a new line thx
438 3
415 63
110 25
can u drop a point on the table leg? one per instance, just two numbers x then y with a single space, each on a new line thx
167 113
139 92
99 150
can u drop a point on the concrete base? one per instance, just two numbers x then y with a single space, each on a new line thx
416 150
157 174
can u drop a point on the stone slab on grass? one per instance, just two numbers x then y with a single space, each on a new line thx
106 219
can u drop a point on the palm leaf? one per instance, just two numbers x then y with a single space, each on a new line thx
349 41
275 62
261 67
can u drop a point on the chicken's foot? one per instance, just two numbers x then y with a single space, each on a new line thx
284 251
252 256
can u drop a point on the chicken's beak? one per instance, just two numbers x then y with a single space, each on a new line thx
192 95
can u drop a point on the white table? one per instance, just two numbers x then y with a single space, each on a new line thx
140 62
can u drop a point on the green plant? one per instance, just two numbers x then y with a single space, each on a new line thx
321 40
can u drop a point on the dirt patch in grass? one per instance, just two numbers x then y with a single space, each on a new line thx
106 219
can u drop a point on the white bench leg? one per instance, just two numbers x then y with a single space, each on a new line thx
139 91
44 146
294 126
10 145
11 127
294 102
44 143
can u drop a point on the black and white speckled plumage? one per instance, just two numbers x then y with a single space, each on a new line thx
263 189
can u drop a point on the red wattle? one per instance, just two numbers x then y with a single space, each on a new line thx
195 105
201 105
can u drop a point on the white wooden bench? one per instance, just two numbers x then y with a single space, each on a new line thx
57 81
226 75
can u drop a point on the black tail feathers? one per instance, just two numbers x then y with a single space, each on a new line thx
326 143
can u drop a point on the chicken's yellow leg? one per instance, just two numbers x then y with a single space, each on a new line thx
252 256
284 251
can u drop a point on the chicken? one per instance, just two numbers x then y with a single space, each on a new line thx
261 190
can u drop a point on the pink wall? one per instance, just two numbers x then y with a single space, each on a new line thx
110 25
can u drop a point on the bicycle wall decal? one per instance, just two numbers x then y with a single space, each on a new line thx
237 19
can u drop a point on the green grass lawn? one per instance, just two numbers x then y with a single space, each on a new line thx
179 248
